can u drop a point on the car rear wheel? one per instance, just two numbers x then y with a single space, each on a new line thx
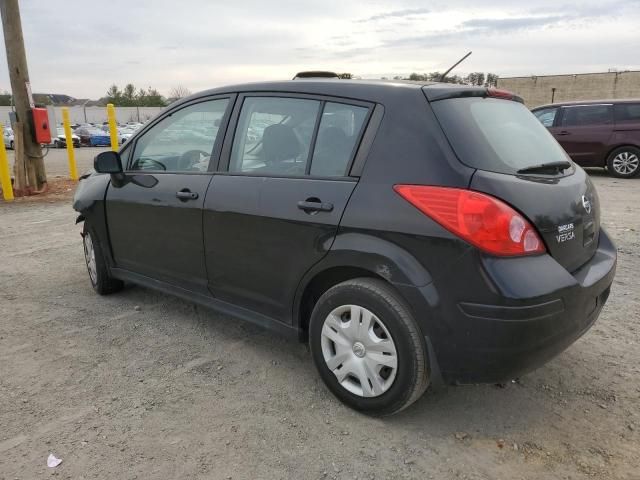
11 145
624 162
101 280
367 347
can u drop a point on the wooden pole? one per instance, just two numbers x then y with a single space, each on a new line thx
20 171
21 91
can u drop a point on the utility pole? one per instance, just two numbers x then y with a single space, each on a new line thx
21 92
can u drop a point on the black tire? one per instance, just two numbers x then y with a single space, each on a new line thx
616 165
411 377
101 279
11 145
57 144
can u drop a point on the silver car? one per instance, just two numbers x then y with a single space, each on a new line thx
8 138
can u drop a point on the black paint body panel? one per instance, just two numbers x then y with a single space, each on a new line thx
258 242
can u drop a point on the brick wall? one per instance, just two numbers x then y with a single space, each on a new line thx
537 90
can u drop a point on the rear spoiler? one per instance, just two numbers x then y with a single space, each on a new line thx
442 92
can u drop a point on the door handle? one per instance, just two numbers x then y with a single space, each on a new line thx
564 132
185 194
313 205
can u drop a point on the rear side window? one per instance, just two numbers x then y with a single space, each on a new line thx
339 131
627 112
584 115
496 135
547 116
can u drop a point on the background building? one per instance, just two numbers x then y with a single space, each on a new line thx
538 90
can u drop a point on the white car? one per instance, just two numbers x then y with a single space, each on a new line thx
8 138
61 140
125 134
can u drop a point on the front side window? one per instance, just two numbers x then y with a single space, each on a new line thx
584 115
627 112
547 116
274 135
340 128
182 141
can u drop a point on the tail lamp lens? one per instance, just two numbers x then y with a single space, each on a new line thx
497 93
480 219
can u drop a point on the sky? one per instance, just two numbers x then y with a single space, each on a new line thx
80 47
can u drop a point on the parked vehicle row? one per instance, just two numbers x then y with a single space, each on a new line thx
60 140
95 135
597 133
412 233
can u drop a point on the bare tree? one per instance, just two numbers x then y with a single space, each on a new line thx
179 91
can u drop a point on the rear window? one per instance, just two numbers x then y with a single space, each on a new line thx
496 135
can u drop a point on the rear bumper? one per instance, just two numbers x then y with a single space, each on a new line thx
541 310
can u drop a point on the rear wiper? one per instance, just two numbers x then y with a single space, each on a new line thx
554 167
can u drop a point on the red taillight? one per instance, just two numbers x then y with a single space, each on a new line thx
480 219
497 93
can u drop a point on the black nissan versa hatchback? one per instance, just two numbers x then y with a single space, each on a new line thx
411 233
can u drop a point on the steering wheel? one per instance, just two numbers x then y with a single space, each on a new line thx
189 158
145 163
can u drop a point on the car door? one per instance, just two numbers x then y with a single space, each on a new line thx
275 212
584 131
154 216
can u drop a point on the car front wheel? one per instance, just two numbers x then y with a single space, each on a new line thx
99 276
368 348
624 162
11 145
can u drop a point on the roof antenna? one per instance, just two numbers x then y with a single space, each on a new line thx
444 75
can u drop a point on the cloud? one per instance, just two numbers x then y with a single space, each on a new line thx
396 14
511 24
162 43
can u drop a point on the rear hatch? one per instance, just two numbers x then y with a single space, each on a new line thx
519 162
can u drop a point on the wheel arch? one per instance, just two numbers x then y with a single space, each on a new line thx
617 147
89 202
355 255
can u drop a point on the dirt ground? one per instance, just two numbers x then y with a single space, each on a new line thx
139 385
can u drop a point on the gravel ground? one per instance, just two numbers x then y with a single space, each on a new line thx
142 385
56 162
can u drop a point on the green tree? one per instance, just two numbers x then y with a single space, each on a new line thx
114 95
492 80
475 78
129 95
150 98
130 98
416 77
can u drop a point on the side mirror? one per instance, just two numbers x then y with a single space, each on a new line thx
108 162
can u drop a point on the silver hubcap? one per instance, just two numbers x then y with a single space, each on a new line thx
359 350
625 163
90 258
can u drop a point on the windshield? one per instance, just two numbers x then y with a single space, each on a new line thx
496 135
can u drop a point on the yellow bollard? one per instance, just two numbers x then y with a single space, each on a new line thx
113 127
73 170
5 177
